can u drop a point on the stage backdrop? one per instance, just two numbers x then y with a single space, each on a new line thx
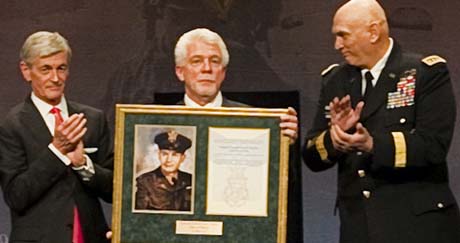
123 53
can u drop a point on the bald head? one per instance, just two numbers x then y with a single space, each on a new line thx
365 12
361 31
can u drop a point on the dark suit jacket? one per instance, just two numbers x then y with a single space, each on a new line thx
399 192
40 190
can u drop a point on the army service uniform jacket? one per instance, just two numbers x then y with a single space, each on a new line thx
400 191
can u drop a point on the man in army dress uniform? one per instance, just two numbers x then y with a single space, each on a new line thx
386 118
166 187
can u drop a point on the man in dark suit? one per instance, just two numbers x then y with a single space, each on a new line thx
201 58
166 187
386 117
56 155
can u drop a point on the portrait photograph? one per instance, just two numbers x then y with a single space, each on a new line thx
164 169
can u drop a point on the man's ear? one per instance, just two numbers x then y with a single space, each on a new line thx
374 30
182 158
180 73
25 70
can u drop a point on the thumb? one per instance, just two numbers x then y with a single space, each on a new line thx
80 144
360 128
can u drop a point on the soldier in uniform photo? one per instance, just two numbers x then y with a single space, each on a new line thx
166 187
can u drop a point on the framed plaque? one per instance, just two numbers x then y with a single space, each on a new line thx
196 175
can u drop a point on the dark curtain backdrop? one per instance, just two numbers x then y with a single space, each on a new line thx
122 53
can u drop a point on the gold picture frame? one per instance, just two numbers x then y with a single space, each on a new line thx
239 170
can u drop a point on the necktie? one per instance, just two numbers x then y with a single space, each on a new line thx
368 76
57 116
77 236
77 231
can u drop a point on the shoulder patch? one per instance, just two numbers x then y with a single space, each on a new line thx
433 59
328 69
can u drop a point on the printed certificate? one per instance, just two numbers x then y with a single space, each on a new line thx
238 164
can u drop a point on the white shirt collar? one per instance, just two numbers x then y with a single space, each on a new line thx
376 70
217 102
44 109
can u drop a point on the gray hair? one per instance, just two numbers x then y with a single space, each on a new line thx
43 44
208 36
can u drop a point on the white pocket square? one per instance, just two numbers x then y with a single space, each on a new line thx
90 150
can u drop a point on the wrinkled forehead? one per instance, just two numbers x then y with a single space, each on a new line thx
55 59
203 48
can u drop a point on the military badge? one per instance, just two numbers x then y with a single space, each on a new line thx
405 91
172 136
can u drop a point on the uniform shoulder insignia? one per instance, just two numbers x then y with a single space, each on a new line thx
328 69
432 60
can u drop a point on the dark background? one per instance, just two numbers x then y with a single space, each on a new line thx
122 52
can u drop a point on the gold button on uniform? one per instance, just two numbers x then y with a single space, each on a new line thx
367 194
361 173
440 205
359 153
402 120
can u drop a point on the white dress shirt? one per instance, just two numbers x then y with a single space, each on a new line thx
217 102
376 70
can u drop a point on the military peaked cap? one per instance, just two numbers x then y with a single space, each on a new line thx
173 141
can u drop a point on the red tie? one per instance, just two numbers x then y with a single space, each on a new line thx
77 231
57 116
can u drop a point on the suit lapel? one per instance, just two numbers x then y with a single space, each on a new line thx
33 122
226 102
350 84
71 108
355 87
385 84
